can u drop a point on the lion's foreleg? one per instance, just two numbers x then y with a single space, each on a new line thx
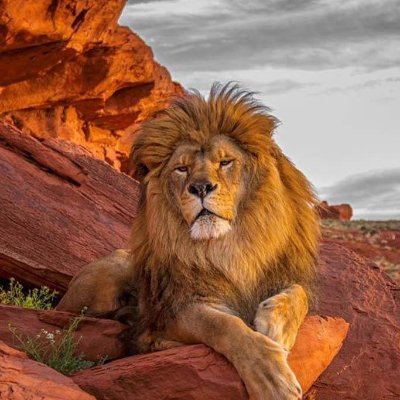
260 361
280 316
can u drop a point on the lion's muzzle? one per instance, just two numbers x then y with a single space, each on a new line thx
208 225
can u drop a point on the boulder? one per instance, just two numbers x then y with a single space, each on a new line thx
77 75
342 212
368 365
98 338
197 372
60 209
25 379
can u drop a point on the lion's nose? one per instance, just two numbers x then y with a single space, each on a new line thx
201 189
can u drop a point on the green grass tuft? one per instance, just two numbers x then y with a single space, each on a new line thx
38 299
56 349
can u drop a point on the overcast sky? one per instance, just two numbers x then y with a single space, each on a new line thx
329 69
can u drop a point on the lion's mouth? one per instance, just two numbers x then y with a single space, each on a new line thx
208 225
204 213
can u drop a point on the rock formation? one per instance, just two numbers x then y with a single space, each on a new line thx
68 70
368 365
61 209
342 212
25 379
197 372
97 338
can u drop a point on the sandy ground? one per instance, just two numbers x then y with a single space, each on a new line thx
377 240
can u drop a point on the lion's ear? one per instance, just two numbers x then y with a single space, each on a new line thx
146 154
153 144
137 169
139 172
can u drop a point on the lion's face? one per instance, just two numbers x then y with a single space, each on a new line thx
201 161
207 183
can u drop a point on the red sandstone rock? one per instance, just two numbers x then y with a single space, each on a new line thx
368 365
25 379
197 372
77 75
60 209
318 341
185 373
98 337
342 212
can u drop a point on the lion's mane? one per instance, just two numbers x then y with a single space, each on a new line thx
273 242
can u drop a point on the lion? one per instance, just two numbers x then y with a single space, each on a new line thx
224 244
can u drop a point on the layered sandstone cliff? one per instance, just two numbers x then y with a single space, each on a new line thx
68 70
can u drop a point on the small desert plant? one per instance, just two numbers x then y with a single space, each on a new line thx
56 349
15 295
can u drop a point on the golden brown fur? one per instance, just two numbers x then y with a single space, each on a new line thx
99 286
225 222
272 243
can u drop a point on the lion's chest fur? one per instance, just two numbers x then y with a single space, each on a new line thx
218 275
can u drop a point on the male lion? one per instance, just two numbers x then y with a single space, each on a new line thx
225 222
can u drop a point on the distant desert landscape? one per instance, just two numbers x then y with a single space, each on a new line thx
378 241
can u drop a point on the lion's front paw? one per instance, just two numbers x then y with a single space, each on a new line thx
264 369
280 316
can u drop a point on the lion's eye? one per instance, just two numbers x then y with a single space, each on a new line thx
226 163
182 169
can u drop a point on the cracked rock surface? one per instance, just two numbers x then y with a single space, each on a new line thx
60 209
76 74
24 379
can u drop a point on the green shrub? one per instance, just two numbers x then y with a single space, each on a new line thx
39 299
56 349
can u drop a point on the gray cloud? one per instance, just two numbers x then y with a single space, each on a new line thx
305 34
374 194
367 84
144 1
279 86
316 57
274 6
270 87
